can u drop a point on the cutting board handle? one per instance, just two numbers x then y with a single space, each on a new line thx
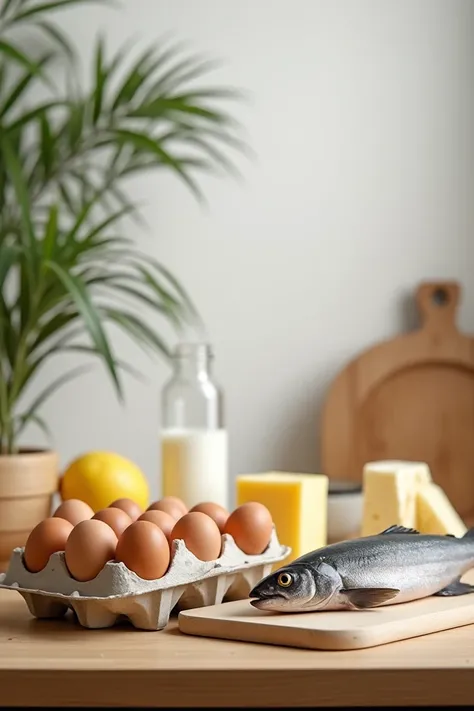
438 304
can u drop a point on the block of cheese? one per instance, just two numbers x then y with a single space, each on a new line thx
435 514
297 503
390 489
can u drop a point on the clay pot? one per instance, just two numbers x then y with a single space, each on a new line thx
28 481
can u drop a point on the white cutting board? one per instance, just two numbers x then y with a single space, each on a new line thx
349 629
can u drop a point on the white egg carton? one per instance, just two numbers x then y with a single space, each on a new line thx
117 592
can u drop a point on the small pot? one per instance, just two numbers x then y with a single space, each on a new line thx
345 509
28 481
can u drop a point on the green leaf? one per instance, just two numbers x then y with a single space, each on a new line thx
182 67
161 269
92 351
68 200
6 6
32 114
8 256
50 236
140 266
47 145
151 69
14 169
224 137
168 107
88 188
136 328
53 325
8 260
16 55
100 78
209 93
167 298
33 365
7 333
24 420
84 212
144 142
25 292
98 229
137 295
217 155
59 38
74 124
52 387
121 198
140 75
191 70
20 87
64 345
47 6
132 82
82 299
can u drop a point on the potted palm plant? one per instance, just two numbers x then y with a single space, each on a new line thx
68 269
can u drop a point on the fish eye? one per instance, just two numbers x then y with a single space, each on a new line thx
285 580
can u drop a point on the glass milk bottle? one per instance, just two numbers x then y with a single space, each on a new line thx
194 458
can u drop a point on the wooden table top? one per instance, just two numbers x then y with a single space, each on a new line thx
59 663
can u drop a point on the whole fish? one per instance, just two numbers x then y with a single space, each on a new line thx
397 565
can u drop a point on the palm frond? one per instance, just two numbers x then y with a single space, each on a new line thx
81 297
70 270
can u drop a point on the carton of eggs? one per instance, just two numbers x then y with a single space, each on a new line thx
142 565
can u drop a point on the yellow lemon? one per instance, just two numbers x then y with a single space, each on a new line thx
99 478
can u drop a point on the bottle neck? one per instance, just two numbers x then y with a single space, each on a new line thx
193 361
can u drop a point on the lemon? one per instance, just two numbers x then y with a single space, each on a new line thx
99 478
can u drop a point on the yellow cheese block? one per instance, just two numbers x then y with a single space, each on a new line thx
297 503
435 514
390 489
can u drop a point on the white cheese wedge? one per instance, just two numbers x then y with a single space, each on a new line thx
390 488
435 514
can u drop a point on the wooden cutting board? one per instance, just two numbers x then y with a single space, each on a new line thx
409 398
329 630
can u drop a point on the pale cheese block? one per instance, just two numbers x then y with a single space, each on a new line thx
390 488
297 503
435 514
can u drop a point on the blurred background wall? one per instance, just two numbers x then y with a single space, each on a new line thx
361 116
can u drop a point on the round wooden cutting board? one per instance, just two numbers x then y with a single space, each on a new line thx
409 398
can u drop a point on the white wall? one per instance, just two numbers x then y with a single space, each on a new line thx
362 118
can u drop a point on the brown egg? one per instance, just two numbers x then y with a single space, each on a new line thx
74 511
218 513
200 534
117 519
129 506
175 501
160 519
49 536
250 525
144 549
170 505
91 544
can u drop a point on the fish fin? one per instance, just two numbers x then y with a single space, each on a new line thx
369 597
398 529
454 589
469 533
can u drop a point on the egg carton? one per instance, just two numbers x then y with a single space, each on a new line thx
117 592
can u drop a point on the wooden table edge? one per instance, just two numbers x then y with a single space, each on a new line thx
236 688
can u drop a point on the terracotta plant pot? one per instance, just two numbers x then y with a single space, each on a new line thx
28 481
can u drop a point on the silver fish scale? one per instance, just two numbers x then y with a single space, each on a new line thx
417 565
